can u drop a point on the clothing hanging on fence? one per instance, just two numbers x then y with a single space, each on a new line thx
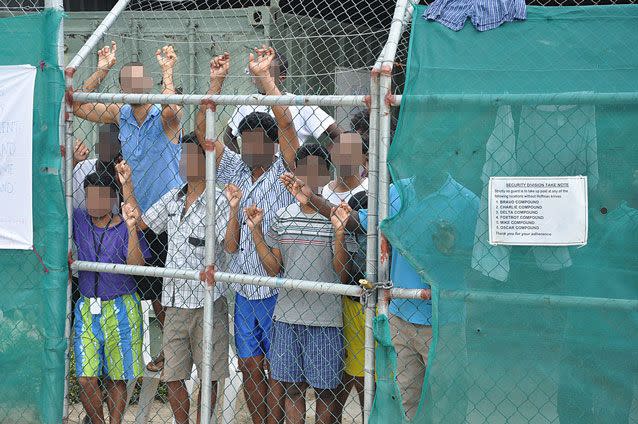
552 141
484 14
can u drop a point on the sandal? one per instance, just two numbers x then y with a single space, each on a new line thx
157 364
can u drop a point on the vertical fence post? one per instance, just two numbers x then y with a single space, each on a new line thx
402 11
210 237
66 137
385 116
371 251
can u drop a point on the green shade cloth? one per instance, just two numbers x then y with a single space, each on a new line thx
33 299
532 98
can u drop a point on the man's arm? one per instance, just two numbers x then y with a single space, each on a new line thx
233 229
304 195
219 67
259 65
171 114
124 174
134 254
99 112
270 258
342 260
106 59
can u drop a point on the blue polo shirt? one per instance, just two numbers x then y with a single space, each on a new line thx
153 158
452 204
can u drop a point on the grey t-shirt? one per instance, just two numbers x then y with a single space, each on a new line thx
306 245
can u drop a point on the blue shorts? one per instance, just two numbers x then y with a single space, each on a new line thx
306 354
253 321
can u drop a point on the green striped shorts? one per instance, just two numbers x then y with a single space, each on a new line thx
109 343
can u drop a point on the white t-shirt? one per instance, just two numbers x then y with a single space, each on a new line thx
81 170
309 120
335 197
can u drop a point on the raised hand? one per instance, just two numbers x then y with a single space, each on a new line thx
296 187
254 216
106 58
233 194
219 67
167 58
80 151
124 172
260 61
339 217
131 215
259 64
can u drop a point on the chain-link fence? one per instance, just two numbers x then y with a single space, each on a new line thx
206 180
229 169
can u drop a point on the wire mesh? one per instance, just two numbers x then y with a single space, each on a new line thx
323 48
314 56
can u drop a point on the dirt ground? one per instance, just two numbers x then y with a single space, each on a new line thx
161 412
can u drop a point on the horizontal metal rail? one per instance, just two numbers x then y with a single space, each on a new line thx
524 99
219 99
468 296
144 271
223 277
524 299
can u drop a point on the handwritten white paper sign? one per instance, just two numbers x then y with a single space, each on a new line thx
16 122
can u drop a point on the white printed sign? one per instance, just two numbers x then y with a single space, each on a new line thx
538 211
16 122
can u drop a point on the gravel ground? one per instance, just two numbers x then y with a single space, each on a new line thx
161 412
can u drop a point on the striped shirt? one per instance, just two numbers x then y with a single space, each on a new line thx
306 242
270 195
485 14
186 243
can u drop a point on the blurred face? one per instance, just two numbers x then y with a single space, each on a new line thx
313 171
100 201
135 79
257 150
347 155
192 164
108 145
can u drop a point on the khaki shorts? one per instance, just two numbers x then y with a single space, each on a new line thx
412 343
183 338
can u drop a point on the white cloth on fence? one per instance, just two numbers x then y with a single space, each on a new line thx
552 141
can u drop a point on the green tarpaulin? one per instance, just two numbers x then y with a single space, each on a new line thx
479 105
33 291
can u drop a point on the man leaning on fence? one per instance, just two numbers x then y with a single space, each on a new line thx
256 173
150 136
107 336
182 214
